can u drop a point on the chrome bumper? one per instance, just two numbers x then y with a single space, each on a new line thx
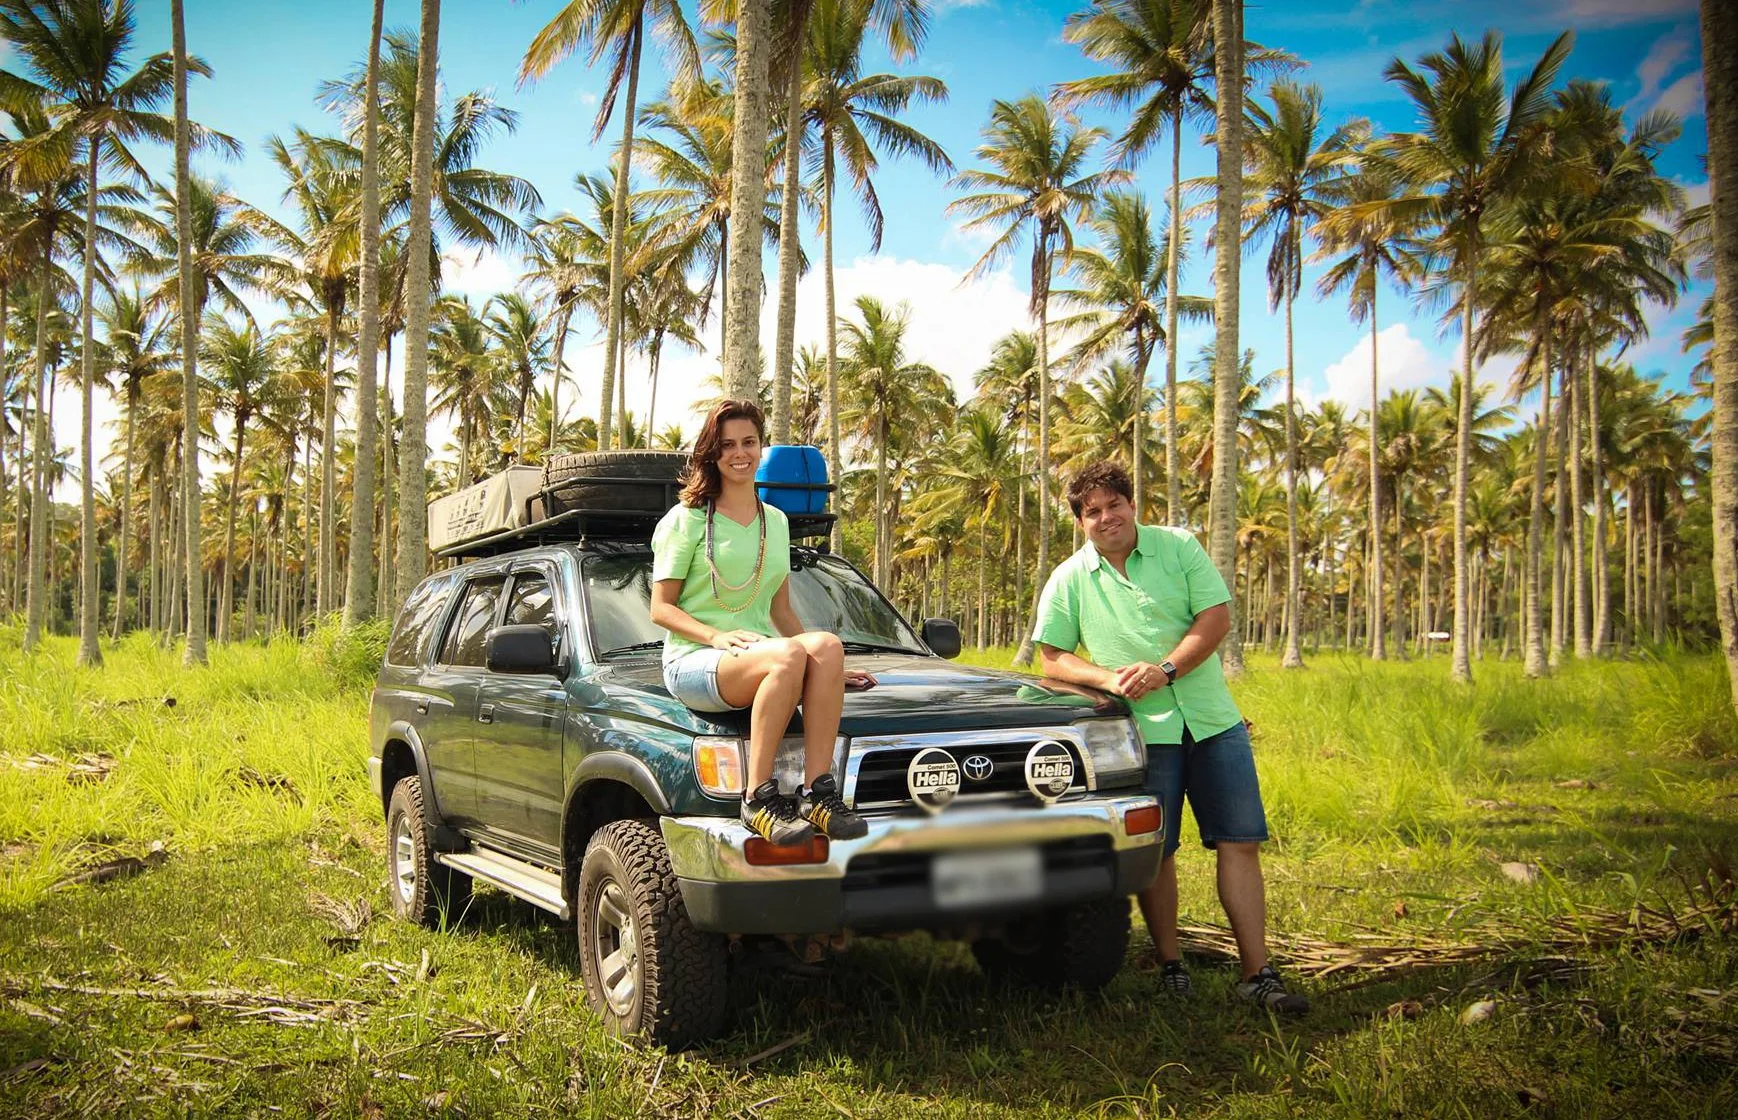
710 849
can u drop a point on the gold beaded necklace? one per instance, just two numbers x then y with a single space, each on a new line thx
759 563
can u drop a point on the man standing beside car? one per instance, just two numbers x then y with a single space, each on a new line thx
1149 610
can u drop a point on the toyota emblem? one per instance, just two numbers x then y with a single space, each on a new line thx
978 767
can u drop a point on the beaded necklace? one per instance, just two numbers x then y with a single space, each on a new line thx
759 563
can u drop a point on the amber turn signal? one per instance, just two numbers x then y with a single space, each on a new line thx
1148 818
762 852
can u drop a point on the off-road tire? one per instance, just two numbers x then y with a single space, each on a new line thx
682 973
436 894
566 486
1080 946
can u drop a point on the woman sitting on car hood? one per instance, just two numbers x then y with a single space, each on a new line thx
720 570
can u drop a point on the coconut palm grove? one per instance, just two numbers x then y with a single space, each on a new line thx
1423 319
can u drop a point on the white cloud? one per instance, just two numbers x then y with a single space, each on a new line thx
1683 97
1695 194
1403 363
1609 13
1662 60
479 274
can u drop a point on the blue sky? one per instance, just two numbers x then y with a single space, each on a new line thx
269 57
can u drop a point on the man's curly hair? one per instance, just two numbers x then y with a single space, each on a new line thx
1106 474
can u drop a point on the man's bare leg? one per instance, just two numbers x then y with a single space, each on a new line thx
1159 908
1244 897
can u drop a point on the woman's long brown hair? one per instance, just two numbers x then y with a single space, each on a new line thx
701 480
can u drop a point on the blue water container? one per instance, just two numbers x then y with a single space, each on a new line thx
793 477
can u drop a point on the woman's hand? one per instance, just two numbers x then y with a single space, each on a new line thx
857 679
734 641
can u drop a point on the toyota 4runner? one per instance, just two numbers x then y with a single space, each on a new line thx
521 736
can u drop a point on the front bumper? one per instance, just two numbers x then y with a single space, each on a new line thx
881 882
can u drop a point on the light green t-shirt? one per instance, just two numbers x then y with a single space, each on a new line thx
679 552
1119 621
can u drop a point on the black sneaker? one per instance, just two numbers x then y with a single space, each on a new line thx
821 805
773 816
1174 980
1267 990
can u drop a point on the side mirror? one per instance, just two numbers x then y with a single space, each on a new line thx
942 636
519 649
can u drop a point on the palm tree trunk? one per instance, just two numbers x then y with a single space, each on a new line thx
252 568
304 600
1137 455
226 590
834 469
1228 77
385 605
1534 625
618 236
562 319
1293 657
1398 618
652 361
90 600
126 501
983 565
1560 525
1041 299
1578 518
412 560
36 589
195 654
359 582
1601 636
747 200
326 594
1173 478
151 610
789 239
1460 668
1378 645
1720 65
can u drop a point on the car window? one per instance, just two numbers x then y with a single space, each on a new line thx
470 625
826 593
532 603
420 611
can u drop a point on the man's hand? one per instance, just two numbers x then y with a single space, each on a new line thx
1136 680
735 641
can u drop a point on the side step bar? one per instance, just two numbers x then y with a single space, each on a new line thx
536 885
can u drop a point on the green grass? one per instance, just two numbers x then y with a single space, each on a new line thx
1390 791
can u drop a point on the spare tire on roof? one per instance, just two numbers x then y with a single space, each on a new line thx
628 481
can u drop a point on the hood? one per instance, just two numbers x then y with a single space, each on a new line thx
913 694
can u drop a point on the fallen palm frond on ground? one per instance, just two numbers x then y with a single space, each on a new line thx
1711 908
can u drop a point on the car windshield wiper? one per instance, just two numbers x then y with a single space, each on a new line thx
874 647
636 647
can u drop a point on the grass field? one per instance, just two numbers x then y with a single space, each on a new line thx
1560 851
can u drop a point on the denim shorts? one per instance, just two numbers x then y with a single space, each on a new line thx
692 678
1218 776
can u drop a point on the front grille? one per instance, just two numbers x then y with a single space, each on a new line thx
881 773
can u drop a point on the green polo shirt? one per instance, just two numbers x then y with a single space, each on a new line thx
1142 617
679 552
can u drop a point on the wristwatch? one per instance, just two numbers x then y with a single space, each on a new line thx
1170 672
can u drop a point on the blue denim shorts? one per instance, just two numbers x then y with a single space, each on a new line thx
692 678
1218 776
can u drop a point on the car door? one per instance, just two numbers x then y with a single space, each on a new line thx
521 719
455 677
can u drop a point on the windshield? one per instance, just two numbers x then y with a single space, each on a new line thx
826 592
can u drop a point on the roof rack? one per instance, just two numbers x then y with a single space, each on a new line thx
592 527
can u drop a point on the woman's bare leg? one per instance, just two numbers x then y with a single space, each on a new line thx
767 679
823 699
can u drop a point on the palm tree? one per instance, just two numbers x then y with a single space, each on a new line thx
238 364
511 321
1122 293
412 562
852 114
359 589
888 398
1161 59
1371 241
76 52
979 472
1477 150
1290 177
748 159
136 347
1035 187
195 584
557 268
466 374
1009 384
616 28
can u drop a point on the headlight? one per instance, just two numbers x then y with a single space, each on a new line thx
721 764
1118 757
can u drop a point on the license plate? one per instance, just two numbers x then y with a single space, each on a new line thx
962 879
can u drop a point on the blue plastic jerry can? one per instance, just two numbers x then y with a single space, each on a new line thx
793 477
